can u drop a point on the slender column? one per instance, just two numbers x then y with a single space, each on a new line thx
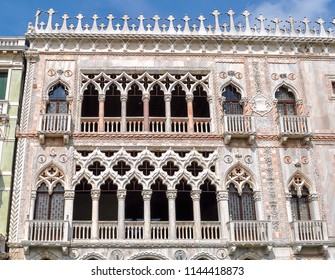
124 112
195 194
121 197
223 208
167 99
101 113
147 215
146 99
314 207
189 100
211 113
288 207
258 205
95 195
32 205
171 195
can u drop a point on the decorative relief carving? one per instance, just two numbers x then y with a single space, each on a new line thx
228 159
222 254
248 159
304 160
223 75
180 255
116 255
51 73
287 159
260 104
290 76
41 158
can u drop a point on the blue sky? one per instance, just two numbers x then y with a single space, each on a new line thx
16 14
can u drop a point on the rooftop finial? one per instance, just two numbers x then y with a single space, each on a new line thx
141 28
217 29
65 17
37 16
186 27
156 29
232 29
95 25
79 26
125 28
246 14
261 19
202 29
321 22
171 29
307 30
110 23
49 25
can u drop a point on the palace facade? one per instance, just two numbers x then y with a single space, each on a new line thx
165 141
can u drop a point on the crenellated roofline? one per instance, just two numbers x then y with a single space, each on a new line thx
275 29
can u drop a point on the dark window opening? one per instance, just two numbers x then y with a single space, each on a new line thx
299 205
170 168
113 102
49 206
96 168
108 203
57 100
194 168
3 85
200 103
159 202
90 105
231 104
184 202
157 102
286 101
208 202
121 168
178 102
82 205
146 168
134 208
134 102
241 206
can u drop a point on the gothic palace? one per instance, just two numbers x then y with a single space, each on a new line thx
152 140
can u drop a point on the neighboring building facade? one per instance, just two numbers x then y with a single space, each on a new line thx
164 142
11 82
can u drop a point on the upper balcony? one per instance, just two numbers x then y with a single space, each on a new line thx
54 125
309 234
294 127
239 126
250 233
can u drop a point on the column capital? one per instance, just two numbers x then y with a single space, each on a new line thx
123 97
312 197
189 97
95 194
146 194
171 194
195 194
121 194
288 196
167 97
222 195
145 96
101 97
69 194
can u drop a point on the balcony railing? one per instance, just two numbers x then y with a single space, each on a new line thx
309 232
55 125
250 232
47 231
239 126
294 127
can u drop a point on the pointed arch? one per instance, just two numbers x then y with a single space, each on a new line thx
286 98
244 169
51 175
299 179
90 101
57 94
232 96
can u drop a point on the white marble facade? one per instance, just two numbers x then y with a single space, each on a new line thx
182 151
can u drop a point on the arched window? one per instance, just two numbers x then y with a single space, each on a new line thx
134 209
159 203
232 101
240 195
299 204
200 103
208 203
57 100
178 102
135 102
157 102
82 205
113 102
184 202
108 203
90 105
286 101
49 206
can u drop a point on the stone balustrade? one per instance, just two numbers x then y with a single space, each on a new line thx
55 123
250 232
12 43
239 126
47 231
309 232
295 127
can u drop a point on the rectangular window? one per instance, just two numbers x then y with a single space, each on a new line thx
3 85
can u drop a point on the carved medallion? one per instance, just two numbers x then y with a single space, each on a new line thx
180 255
41 159
274 76
260 104
238 75
51 73
116 255
287 159
248 159
63 158
68 73
223 75
228 159
222 254
291 76
304 160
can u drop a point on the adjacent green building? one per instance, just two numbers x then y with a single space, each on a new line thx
11 82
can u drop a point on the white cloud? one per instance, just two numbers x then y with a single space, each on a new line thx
312 9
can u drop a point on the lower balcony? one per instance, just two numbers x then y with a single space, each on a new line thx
54 125
47 233
309 234
294 127
239 126
249 234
